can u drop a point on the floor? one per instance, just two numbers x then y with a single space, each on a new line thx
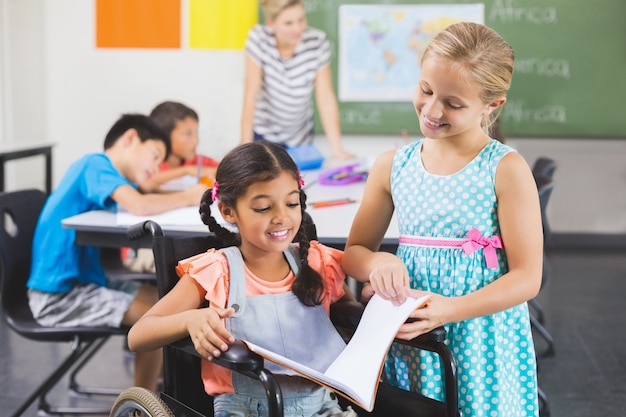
583 301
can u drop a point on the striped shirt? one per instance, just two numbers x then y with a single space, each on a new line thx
284 109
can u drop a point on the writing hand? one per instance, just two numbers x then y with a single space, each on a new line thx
208 172
208 333
342 154
193 194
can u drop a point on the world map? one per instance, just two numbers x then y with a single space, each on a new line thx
380 46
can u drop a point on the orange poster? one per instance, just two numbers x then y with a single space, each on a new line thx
138 23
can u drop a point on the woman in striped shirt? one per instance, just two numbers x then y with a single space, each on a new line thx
285 61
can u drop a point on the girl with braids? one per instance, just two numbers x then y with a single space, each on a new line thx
261 287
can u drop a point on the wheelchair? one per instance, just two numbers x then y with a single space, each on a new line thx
183 393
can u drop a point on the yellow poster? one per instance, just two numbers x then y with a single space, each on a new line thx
219 24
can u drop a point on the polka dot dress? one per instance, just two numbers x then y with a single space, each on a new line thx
495 354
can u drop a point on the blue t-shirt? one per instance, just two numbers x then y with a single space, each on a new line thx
58 263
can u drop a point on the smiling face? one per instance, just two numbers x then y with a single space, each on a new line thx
184 138
447 103
268 215
289 26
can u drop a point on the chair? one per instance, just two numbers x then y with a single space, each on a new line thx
543 172
545 186
19 211
544 166
183 393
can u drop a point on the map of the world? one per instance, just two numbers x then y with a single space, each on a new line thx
380 46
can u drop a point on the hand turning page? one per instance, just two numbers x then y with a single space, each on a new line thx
356 371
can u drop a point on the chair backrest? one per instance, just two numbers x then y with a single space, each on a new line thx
181 378
545 186
544 166
19 212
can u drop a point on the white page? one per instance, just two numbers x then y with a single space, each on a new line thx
184 216
358 366
355 372
180 183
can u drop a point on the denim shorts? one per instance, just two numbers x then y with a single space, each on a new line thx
84 305
321 403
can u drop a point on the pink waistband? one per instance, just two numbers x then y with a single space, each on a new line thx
472 242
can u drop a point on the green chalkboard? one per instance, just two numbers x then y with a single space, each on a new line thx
570 73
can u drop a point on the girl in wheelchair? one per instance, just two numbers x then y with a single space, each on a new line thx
261 288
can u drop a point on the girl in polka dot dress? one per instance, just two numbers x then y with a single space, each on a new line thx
470 231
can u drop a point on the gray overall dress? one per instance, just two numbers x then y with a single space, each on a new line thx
281 323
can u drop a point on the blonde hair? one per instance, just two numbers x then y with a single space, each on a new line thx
272 8
481 56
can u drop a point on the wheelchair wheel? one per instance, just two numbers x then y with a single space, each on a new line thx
139 402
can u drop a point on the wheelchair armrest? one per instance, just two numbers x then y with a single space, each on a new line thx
237 358
145 228
347 314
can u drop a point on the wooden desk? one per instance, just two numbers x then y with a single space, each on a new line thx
99 228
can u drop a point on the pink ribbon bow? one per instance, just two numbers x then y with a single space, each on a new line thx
489 244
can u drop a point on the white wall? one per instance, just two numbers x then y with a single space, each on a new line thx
21 87
87 88
57 87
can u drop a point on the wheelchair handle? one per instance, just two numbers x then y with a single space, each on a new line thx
146 228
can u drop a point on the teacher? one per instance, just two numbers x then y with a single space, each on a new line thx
285 61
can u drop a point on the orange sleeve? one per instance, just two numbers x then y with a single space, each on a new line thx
207 161
210 270
327 262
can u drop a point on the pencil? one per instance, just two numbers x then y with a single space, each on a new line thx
333 203
199 172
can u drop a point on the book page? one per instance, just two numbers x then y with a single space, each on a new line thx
356 371
360 363
184 216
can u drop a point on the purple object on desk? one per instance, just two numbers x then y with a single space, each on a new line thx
342 175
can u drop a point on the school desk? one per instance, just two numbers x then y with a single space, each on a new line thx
101 227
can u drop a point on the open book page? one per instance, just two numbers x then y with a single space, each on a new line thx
184 216
180 183
356 371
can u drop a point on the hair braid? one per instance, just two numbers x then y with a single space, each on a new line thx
308 286
225 236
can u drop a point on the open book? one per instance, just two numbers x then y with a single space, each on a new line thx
356 371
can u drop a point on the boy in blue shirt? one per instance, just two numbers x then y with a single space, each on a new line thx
67 284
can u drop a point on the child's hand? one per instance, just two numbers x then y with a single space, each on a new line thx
390 278
434 314
207 332
367 292
209 172
193 194
341 153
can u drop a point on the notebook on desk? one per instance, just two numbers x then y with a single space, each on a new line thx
184 216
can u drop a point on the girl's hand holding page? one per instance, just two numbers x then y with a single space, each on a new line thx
433 314
389 277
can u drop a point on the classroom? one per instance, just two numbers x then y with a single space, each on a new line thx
57 87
